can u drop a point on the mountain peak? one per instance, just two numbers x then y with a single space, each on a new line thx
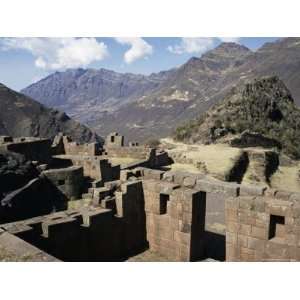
232 46
228 50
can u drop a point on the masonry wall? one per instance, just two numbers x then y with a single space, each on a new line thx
114 140
69 181
96 167
263 228
32 149
72 148
175 220
138 152
91 233
38 197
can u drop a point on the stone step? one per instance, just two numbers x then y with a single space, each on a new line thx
87 196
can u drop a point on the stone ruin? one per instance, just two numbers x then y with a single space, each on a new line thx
79 206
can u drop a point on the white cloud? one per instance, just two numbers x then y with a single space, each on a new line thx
229 39
59 53
139 48
192 45
199 45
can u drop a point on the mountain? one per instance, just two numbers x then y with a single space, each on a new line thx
23 116
82 93
264 106
183 93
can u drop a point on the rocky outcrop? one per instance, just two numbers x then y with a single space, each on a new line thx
263 107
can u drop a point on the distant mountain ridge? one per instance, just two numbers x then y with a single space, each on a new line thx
153 106
23 116
82 92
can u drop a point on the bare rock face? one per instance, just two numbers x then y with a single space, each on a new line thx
261 112
84 92
23 116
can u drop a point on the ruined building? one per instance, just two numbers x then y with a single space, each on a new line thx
84 202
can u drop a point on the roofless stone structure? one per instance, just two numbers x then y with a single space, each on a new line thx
80 205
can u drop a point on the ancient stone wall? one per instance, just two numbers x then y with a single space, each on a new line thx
91 233
263 228
38 197
64 145
175 219
69 181
33 149
114 140
130 208
95 167
90 149
138 152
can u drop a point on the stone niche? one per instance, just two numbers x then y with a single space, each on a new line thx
263 228
68 180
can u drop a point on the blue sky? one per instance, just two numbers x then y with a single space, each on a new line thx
26 60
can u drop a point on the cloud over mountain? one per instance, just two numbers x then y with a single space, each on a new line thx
139 48
199 45
192 45
59 53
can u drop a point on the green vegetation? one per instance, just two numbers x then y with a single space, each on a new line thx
264 106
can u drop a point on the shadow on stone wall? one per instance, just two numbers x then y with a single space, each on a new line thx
214 245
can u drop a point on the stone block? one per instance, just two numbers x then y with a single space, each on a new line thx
244 229
231 252
187 217
231 189
295 197
284 195
256 244
184 253
182 238
252 190
247 254
259 233
189 182
231 238
242 240
247 203
231 215
232 227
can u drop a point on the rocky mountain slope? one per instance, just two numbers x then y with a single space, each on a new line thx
82 93
173 97
22 116
264 106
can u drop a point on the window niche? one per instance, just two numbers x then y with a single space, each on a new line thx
276 227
